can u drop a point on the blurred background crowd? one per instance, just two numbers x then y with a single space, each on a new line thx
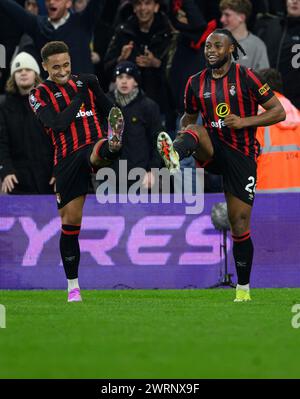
154 46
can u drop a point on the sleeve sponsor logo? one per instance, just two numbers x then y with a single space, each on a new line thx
33 102
2 56
264 89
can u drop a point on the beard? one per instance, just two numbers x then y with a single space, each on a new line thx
218 64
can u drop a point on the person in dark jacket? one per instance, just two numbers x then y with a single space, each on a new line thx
103 32
26 156
10 35
75 29
142 121
282 38
194 20
26 42
144 39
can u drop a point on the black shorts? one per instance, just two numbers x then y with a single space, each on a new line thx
238 170
73 176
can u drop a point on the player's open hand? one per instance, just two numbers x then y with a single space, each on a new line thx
126 51
234 121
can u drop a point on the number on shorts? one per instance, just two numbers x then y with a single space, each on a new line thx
251 186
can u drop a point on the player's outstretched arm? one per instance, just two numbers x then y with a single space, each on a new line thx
23 18
274 113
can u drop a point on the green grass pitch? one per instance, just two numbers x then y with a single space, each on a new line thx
150 334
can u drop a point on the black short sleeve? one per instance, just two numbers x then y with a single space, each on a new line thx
260 89
190 101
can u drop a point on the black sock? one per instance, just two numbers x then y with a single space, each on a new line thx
104 152
69 250
243 256
186 143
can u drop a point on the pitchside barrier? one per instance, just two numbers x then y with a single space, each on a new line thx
144 245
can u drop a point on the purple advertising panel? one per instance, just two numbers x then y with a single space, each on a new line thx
144 245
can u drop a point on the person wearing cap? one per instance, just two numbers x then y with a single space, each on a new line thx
142 121
26 42
25 150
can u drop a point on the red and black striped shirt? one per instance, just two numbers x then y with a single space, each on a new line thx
239 92
85 126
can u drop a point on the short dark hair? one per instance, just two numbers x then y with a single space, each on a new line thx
273 77
52 48
240 6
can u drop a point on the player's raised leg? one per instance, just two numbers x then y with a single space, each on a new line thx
192 139
71 216
239 214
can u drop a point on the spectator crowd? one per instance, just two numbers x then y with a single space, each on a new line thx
143 52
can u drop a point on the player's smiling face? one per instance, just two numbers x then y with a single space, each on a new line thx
217 49
58 67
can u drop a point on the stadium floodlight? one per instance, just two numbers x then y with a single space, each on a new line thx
219 218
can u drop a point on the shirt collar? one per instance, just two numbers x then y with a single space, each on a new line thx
61 22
